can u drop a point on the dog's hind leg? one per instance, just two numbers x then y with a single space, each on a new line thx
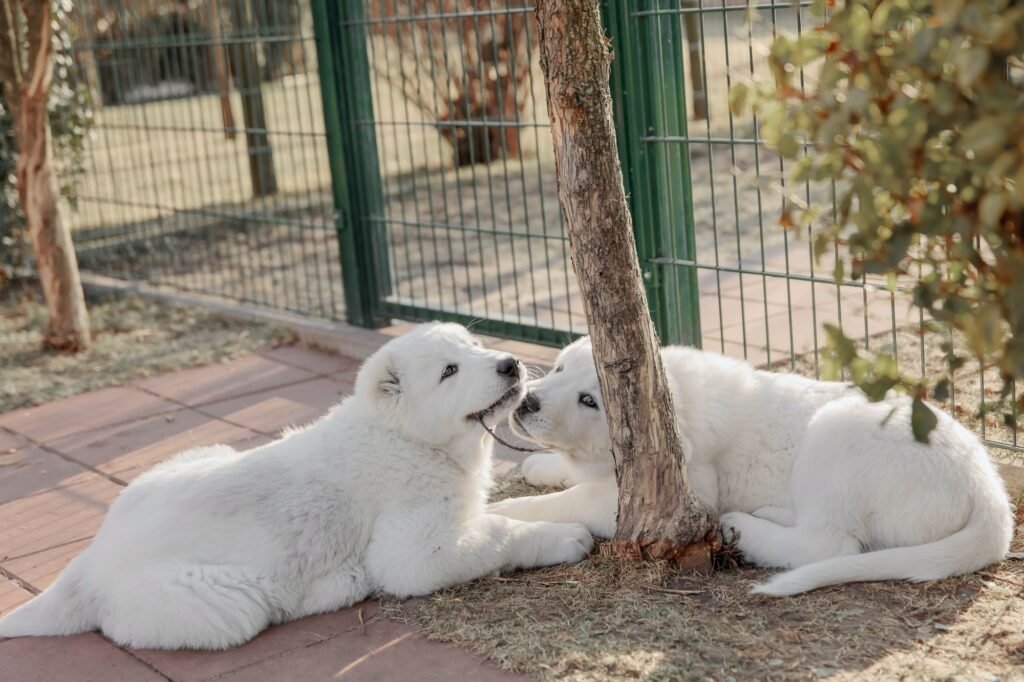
186 607
768 544
336 590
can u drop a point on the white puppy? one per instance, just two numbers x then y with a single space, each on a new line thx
386 492
813 476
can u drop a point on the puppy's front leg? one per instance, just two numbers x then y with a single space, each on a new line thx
593 503
411 556
551 469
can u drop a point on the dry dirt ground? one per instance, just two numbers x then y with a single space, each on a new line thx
612 619
132 338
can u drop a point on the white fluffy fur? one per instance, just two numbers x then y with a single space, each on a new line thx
812 475
386 492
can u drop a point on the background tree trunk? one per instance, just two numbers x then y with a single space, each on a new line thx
219 63
250 87
68 325
659 517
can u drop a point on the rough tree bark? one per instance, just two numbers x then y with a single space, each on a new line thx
27 90
659 517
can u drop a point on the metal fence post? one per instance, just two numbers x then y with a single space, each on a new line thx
649 95
352 152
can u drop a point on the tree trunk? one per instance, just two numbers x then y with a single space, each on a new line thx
219 63
699 92
247 77
659 517
68 325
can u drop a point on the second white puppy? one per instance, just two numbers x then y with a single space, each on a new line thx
812 475
385 493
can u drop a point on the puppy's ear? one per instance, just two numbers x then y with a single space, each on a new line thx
391 385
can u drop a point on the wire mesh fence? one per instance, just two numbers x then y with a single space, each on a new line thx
208 170
763 295
240 142
467 222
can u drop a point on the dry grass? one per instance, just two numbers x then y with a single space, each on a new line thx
612 619
132 338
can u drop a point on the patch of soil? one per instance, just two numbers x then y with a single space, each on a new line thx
607 618
132 338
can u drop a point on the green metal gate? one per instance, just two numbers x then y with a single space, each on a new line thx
478 243
423 178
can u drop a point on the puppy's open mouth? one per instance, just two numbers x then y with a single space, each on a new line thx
509 395
519 428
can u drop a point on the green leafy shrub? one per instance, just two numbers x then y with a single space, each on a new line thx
916 113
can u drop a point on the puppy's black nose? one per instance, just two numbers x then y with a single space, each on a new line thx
530 403
508 367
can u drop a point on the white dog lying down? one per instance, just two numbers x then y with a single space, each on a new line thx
812 475
386 492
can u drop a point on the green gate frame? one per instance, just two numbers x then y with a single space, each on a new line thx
648 95
355 172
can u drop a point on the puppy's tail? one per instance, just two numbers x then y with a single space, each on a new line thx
982 542
61 609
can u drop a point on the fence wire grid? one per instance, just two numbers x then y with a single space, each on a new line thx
392 159
208 171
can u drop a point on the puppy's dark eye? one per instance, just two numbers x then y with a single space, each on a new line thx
448 371
588 400
559 369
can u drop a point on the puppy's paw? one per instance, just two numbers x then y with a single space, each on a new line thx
733 524
546 469
564 543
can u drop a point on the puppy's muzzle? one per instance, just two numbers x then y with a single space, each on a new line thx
529 405
508 367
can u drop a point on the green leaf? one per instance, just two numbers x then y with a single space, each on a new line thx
1018 185
772 121
859 27
842 346
984 138
810 216
809 47
922 420
992 207
788 146
983 330
875 389
880 19
970 63
801 170
739 95
941 390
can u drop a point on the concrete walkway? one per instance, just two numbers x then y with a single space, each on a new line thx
62 464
